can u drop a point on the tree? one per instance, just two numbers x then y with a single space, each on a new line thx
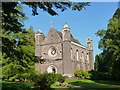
50 7
101 65
23 61
110 44
11 29
96 62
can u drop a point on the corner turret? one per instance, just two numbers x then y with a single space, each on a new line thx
89 43
90 48
39 38
66 33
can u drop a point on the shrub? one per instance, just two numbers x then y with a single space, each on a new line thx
95 75
45 80
87 75
35 78
79 73
60 78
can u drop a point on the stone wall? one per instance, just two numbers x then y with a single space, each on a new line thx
43 67
45 49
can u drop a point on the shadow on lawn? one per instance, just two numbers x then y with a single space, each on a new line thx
94 84
16 86
107 82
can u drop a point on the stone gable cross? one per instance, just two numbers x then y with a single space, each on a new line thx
51 23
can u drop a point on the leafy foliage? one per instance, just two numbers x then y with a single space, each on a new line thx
19 65
87 75
100 64
60 78
50 7
110 44
45 80
96 75
96 65
93 74
81 74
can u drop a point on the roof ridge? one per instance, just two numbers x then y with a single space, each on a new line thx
72 38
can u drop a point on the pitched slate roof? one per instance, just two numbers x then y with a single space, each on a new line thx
60 34
72 38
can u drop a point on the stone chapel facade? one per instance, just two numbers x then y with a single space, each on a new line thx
62 53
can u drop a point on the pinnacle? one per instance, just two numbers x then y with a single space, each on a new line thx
65 25
39 31
89 38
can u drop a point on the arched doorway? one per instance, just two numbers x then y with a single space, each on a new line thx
52 69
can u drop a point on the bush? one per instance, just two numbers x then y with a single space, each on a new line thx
95 75
87 75
35 78
79 73
60 78
45 80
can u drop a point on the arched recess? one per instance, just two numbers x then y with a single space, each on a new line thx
71 54
77 55
52 69
87 58
82 57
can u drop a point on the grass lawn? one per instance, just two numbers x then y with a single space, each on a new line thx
16 85
83 83
91 84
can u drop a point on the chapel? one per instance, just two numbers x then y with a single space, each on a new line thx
60 52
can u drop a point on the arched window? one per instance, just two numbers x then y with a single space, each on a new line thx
87 57
83 66
71 53
82 56
77 55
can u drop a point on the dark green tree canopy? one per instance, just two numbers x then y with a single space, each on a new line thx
51 7
110 44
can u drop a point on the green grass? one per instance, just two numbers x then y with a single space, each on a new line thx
56 85
91 84
16 85
77 82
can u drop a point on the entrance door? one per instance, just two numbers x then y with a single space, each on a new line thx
52 69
